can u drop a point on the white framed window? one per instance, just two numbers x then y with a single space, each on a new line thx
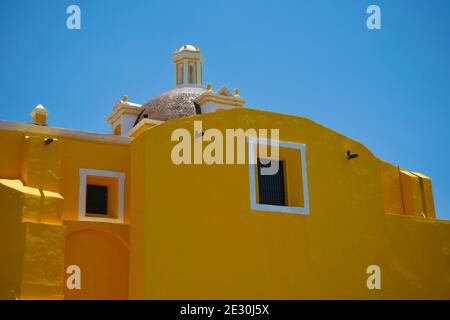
101 196
290 182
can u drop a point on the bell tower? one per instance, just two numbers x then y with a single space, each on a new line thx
188 66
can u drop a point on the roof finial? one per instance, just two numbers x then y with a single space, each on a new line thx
39 115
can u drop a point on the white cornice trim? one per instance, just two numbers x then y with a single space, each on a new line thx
141 123
181 55
67 133
123 107
190 85
227 100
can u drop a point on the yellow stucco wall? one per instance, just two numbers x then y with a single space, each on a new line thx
202 241
189 232
39 197
406 192
12 230
139 205
58 170
31 242
91 155
11 161
101 250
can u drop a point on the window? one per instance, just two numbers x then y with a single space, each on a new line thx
97 199
191 73
271 187
101 196
286 189
179 73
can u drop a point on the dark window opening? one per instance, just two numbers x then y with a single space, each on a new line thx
97 199
271 187
191 74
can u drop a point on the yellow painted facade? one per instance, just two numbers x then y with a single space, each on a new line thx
189 231
39 221
221 249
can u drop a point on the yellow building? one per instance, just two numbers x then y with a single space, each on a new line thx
111 216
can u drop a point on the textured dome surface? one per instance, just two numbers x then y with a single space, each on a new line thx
173 104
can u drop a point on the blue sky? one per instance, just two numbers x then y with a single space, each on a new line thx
388 89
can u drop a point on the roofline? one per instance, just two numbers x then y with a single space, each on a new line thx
117 113
141 123
67 133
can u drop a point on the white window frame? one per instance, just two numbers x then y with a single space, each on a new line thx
252 142
120 176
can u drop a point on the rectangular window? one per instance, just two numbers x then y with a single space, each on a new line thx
101 196
271 187
97 199
284 190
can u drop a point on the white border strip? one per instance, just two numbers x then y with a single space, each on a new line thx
252 141
120 176
141 123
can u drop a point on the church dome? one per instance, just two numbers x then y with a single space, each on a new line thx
173 104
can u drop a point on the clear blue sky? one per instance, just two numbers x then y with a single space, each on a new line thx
388 89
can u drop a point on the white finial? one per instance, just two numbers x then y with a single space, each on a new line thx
40 109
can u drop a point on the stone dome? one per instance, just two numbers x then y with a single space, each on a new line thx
173 104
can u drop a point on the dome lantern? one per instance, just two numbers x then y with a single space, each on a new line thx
188 66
